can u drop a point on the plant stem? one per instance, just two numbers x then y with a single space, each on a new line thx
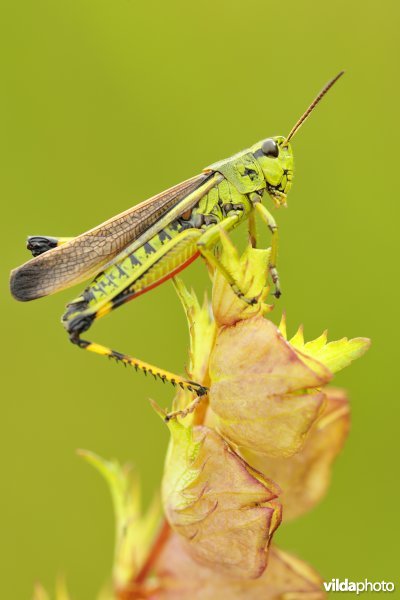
135 589
155 552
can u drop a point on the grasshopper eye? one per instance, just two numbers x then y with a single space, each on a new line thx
270 148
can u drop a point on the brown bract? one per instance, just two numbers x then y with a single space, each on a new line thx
182 578
222 508
265 395
305 477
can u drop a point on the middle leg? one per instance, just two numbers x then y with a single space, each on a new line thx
206 245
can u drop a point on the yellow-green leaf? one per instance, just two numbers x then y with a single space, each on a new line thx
250 272
134 531
40 593
202 331
334 355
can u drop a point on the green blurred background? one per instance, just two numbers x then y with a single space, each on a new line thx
108 102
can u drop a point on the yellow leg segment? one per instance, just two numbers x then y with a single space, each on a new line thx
192 386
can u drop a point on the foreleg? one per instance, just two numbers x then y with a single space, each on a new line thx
271 223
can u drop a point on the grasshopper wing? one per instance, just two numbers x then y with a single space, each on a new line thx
85 255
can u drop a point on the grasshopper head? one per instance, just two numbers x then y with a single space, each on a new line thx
275 158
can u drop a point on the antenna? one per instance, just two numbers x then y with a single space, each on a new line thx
313 104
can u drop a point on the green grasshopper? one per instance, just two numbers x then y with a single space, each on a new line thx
148 244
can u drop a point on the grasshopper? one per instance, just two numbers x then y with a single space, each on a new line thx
139 249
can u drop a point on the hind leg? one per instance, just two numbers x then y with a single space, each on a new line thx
101 297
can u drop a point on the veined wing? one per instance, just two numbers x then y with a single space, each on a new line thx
84 256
